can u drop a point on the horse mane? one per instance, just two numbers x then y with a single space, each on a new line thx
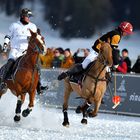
106 52
39 32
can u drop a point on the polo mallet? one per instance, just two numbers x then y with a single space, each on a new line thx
115 99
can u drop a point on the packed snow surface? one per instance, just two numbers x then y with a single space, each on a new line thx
45 123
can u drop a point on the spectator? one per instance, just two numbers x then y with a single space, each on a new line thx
126 59
136 66
57 60
46 59
79 59
122 66
61 53
68 59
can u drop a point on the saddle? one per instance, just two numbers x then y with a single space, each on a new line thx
79 77
12 71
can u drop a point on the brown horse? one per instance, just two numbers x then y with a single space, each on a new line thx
25 78
93 85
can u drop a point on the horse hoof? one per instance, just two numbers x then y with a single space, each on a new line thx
17 118
91 115
84 121
26 112
66 124
78 110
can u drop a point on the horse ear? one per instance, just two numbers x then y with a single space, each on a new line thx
38 31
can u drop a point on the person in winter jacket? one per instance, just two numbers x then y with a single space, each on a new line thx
126 58
68 59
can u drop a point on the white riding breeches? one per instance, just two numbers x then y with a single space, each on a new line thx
90 58
14 53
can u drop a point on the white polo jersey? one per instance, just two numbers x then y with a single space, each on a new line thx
17 36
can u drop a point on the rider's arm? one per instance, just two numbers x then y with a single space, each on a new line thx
97 44
8 37
115 41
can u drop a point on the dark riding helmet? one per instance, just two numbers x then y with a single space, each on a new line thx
26 12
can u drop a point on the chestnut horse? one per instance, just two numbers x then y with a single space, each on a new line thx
25 78
93 85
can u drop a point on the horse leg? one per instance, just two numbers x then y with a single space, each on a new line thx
67 92
79 108
96 108
27 111
18 107
65 108
84 111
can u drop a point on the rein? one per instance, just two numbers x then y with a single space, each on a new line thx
36 48
35 68
97 79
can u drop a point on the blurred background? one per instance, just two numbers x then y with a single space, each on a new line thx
75 23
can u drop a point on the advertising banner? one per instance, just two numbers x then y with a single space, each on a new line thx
126 86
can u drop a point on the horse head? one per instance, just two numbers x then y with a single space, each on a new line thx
106 54
36 42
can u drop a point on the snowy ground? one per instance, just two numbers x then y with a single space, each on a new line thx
45 124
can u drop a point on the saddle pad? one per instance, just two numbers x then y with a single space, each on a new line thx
76 78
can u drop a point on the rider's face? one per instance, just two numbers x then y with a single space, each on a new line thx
26 19
124 34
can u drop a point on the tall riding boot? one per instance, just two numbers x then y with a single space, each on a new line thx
8 66
40 88
74 70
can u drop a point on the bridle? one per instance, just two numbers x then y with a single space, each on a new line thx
36 48
102 60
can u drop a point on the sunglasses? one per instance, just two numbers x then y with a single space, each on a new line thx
27 15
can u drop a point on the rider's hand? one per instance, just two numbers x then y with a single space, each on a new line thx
114 67
4 48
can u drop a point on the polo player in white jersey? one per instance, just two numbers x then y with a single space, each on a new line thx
18 38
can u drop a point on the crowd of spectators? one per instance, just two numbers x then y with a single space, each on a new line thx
64 58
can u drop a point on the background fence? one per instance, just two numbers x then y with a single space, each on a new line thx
127 87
